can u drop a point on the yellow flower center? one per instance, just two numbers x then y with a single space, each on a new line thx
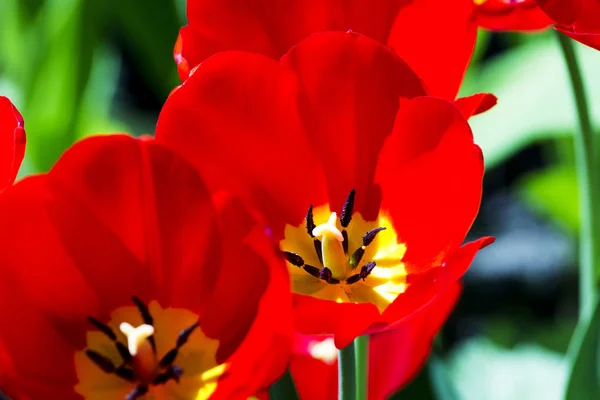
148 353
345 259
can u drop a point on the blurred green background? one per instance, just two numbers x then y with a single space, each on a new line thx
81 67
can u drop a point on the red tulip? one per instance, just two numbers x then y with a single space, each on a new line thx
121 276
12 142
395 356
339 125
435 37
577 19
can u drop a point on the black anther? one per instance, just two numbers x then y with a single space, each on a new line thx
353 279
168 358
345 242
145 313
356 257
346 215
184 335
310 222
325 274
314 271
126 373
294 258
124 352
138 392
146 317
370 236
102 362
104 328
367 269
319 249
172 372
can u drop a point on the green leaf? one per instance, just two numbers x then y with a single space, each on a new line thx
534 97
283 388
583 381
553 192
442 385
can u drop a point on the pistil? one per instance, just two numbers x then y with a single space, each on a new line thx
332 249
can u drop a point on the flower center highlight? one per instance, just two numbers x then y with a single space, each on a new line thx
154 354
345 259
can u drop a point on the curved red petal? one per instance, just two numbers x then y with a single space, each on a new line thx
431 174
459 260
236 119
256 290
567 12
12 142
498 15
437 39
345 321
476 104
586 28
352 86
272 27
396 355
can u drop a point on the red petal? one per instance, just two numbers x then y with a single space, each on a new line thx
566 12
256 290
476 104
437 39
345 321
352 86
586 29
397 355
459 261
236 117
498 15
272 27
12 142
431 175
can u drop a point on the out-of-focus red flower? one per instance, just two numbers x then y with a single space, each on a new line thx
339 125
586 27
12 142
435 37
509 15
120 275
395 356
577 19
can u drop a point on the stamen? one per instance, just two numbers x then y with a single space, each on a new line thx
126 373
345 242
107 330
146 317
136 336
370 236
182 339
346 215
138 392
314 271
353 279
104 328
319 249
173 372
367 269
356 257
310 222
294 258
102 362
325 274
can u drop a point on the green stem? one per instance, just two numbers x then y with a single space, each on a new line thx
346 373
361 371
588 192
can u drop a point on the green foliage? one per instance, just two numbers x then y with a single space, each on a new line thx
58 65
583 381
553 192
534 97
